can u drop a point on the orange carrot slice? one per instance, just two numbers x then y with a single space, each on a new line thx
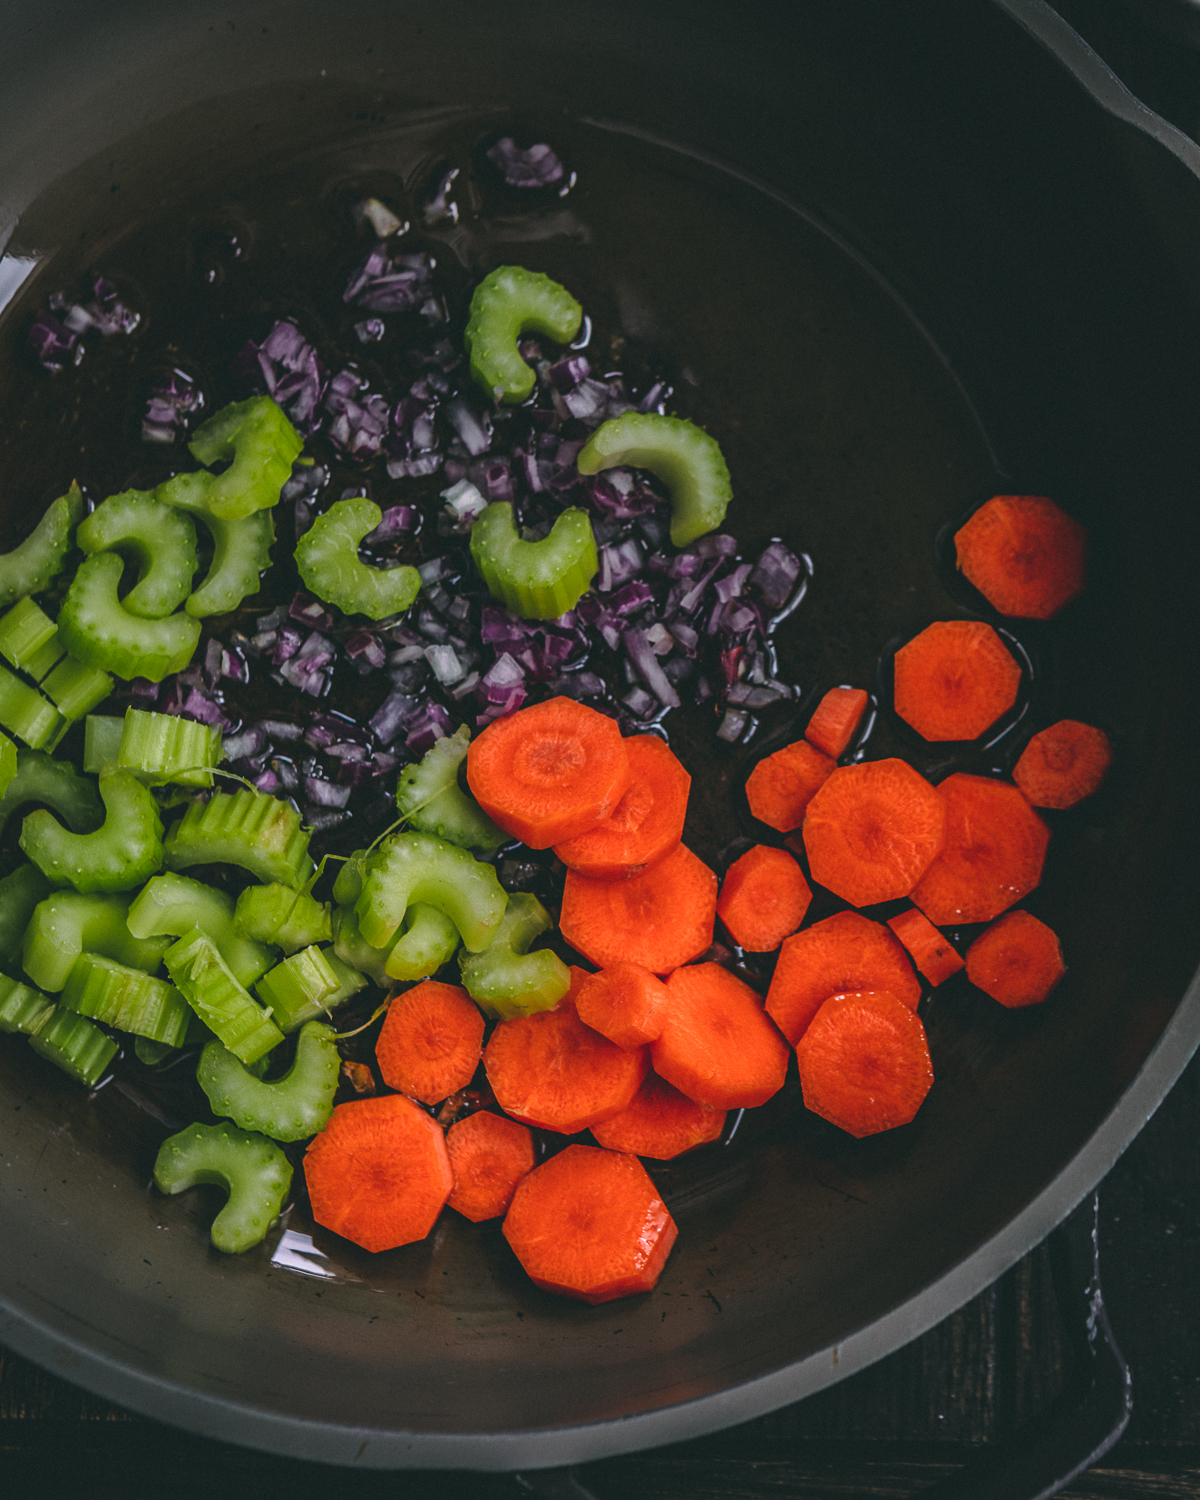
625 1003
763 897
836 719
1063 764
1024 555
1017 961
430 1042
954 680
488 1156
864 1062
661 1123
718 1046
644 826
780 787
933 954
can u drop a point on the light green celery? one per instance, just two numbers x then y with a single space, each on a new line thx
161 540
42 662
25 713
224 1005
279 915
28 569
241 547
431 800
152 1053
163 748
66 924
426 940
129 999
125 851
250 829
74 1044
412 867
57 784
25 631
8 763
20 893
288 1108
171 905
262 444
254 1171
76 689
330 567
310 983
21 1008
508 303
98 630
101 742
353 949
536 580
506 980
347 888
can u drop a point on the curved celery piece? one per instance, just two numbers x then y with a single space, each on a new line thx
171 905
347 888
101 742
536 580
129 999
353 949
288 1108
125 851
507 303
75 688
411 867
327 556
263 446
253 1169
25 633
67 924
161 540
431 800
74 1044
98 630
21 1008
20 893
427 939
250 829
8 763
163 748
682 455
25 713
224 1005
310 983
278 915
41 778
506 980
27 569
241 547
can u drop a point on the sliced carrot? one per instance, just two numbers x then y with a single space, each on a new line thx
844 952
864 1062
644 826
488 1155
933 953
659 919
718 1045
625 1003
763 897
836 719
430 1042
1017 961
1063 764
378 1174
550 772
661 1123
590 1224
780 787
1024 555
872 831
954 680
993 855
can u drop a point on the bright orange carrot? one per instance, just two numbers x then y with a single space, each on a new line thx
954 680
718 1046
864 1062
431 1041
763 897
872 831
590 1224
647 823
661 1123
780 787
378 1174
1024 555
1017 961
549 773
625 1003
659 919
933 954
488 1156
1063 764
836 719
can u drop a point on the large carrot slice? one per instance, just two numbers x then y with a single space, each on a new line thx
836 719
954 680
993 854
430 1042
864 1062
378 1174
933 953
718 1046
763 897
1024 555
644 826
1017 961
659 919
590 1224
625 1003
844 952
488 1156
781 786
872 831
661 1123
548 773
1063 764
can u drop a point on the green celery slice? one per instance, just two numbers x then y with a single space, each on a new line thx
20 893
121 854
241 547
431 799
262 444
250 829
8 764
129 999
172 905
74 1044
42 662
163 748
536 580
41 778
101 742
353 949
24 632
288 1108
66 924
508 303
27 569
224 1006
21 1008
278 915
411 867
308 984
347 888
426 940
76 689
161 540
98 630
25 713
506 980
253 1169
330 567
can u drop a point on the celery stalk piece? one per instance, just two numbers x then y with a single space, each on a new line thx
163 748
250 829
20 893
57 784
98 630
682 455
241 548
172 905
286 1109
75 689
347 888
41 662
411 867
203 976
27 569
25 631
101 742
66 924
506 980
152 1053
536 580
431 800
253 1169
426 940
74 1044
330 567
262 444
129 999
8 764
121 854
161 540
21 1008
310 983
278 915
507 303
353 949
25 713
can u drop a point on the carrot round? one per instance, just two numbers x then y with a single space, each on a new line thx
993 855
378 1174
872 831
430 1042
781 786
763 897
954 680
644 826
864 1062
659 919
1017 961
718 1045
661 1123
550 772
1024 555
933 953
1063 764
590 1224
488 1156
624 1002
836 719
844 952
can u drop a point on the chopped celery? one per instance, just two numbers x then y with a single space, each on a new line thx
76 689
353 949
308 984
41 662
262 444
431 800
536 580
8 763
253 1169
171 905
279 915
25 713
125 851
67 924
41 778
129 999
163 748
250 829
241 548
411 867
161 540
218 999
74 1044
27 569
20 893
101 742
508 303
21 1008
25 631
506 980
327 556
152 1053
426 940
347 888
98 630
288 1108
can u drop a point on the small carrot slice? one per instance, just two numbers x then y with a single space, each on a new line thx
993 855
661 1123
836 719
430 1042
625 1003
378 1174
864 1062
844 952
659 919
488 1156
934 954
873 830
954 680
1063 764
782 785
763 898
718 1045
647 823
548 773
590 1224
1024 554
1017 961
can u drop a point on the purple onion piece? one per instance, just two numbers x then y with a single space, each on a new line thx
513 701
534 168
311 612
501 679
280 729
641 654
732 725
731 586
396 521
618 565
776 573
567 373
366 648
326 793
717 544
198 705
474 433
431 724
251 742
53 343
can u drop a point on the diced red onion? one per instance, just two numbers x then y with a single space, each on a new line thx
510 704
391 715
654 397
686 638
468 685
429 726
641 654
379 216
345 751
414 468
740 618
198 705
361 418
310 611
396 521
366 648
502 677
732 725
319 819
497 481
280 729
308 669
173 398
776 573
250 743
642 703
536 167
234 666
445 663
716 544
618 565
617 494
287 643
731 664
326 793
474 434
212 662
660 638
370 330
383 284
752 697
267 782
631 598
286 364
55 345
731 586
567 373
